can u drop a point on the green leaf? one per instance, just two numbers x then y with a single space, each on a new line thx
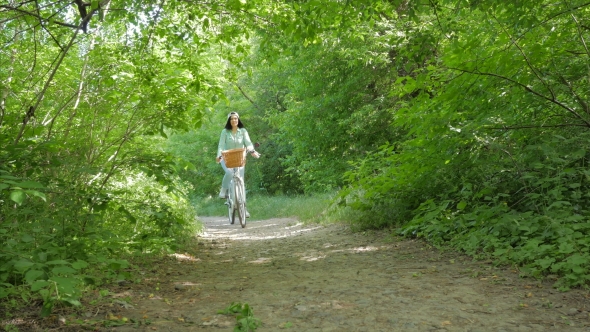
18 196
39 284
47 308
73 302
37 194
66 285
566 248
63 270
461 205
578 259
30 185
545 263
23 265
26 238
33 275
80 264
578 269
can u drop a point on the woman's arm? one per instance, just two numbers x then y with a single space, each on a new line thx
249 145
247 141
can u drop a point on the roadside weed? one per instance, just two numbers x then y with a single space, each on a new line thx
245 320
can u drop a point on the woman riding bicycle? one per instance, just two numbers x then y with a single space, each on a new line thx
233 136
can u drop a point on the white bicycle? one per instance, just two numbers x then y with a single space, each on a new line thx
236 198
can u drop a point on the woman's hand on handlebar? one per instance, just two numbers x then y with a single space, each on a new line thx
255 154
218 159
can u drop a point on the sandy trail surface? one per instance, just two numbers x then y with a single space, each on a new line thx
326 278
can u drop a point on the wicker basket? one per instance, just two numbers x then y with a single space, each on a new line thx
234 158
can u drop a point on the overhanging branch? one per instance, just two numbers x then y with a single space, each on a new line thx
536 126
527 88
39 17
247 97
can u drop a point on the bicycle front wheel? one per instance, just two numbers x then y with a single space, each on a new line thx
230 211
240 202
230 201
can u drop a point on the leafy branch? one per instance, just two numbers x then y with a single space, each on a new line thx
536 126
37 16
553 99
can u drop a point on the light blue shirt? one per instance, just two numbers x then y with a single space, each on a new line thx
228 140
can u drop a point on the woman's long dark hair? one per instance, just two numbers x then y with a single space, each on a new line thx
228 123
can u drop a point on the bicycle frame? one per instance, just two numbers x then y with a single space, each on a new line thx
236 199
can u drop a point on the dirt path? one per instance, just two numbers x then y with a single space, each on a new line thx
316 278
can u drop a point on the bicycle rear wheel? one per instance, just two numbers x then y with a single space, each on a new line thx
240 202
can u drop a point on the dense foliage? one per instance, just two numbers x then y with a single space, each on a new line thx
83 180
494 159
